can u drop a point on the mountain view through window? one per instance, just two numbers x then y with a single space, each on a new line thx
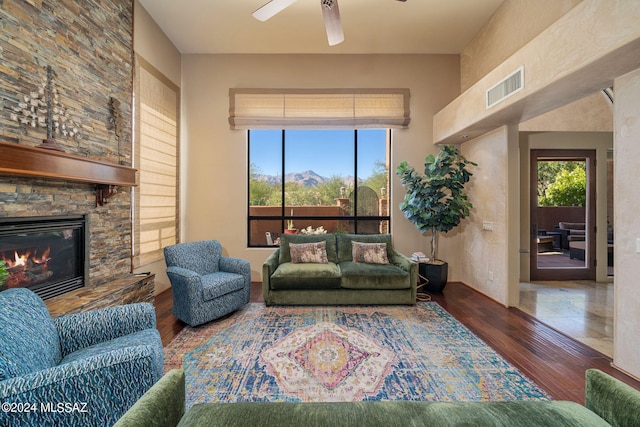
304 181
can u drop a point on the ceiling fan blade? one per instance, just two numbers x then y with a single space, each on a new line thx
332 23
268 10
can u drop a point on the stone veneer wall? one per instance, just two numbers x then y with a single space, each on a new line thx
89 45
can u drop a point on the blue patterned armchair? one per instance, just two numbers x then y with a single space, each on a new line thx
83 369
206 285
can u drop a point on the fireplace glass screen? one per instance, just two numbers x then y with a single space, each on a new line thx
44 254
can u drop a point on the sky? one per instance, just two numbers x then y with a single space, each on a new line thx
303 152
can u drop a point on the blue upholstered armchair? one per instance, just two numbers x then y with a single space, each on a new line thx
83 369
206 285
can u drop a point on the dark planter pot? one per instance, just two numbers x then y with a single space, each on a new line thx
436 274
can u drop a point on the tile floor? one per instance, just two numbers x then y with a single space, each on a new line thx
582 310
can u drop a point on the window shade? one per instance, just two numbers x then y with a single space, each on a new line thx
320 108
156 148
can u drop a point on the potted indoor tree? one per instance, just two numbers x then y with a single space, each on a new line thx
436 202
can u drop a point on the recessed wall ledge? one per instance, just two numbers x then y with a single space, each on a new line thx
588 62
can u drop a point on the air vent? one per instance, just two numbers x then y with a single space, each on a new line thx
514 83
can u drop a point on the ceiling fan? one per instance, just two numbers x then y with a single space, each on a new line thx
330 14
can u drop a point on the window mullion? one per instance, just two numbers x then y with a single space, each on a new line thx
282 184
355 180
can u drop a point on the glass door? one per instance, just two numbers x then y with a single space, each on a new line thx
562 215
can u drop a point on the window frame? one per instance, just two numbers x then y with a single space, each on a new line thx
355 218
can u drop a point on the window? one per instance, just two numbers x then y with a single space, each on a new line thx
155 206
302 180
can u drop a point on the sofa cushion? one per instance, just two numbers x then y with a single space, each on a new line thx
304 253
370 253
221 283
25 323
306 276
343 242
357 275
286 239
392 413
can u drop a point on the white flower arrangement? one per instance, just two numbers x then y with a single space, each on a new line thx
39 108
311 230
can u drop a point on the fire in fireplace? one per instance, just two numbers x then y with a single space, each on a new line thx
48 255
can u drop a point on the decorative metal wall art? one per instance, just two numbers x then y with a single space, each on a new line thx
43 109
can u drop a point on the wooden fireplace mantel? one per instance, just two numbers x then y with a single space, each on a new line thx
43 163
22 160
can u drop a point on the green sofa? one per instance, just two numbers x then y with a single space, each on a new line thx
608 402
341 281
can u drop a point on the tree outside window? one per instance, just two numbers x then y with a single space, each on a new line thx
562 183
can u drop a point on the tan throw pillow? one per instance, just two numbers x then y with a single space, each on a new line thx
309 253
370 253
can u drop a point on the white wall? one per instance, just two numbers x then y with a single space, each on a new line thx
216 192
593 113
512 26
484 252
154 46
490 256
627 223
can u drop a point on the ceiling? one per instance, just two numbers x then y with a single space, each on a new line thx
370 26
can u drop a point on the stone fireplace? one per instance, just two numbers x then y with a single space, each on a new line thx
61 236
89 46
49 255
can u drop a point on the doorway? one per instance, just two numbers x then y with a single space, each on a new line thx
562 243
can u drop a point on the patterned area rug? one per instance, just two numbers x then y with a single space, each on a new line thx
342 354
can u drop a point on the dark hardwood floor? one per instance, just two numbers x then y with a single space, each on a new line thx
554 361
